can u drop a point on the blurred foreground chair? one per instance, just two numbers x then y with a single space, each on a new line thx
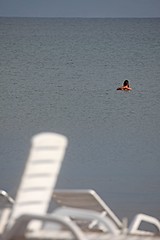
27 215
29 210
85 199
89 200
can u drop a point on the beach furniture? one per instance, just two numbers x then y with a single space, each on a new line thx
6 203
108 226
109 230
35 190
85 199
82 214
88 200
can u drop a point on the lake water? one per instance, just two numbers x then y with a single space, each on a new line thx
61 75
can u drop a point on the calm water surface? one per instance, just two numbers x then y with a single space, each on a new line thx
61 75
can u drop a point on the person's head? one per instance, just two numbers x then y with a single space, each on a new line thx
126 83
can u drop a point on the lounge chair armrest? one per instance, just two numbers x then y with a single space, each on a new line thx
88 215
6 199
133 228
20 226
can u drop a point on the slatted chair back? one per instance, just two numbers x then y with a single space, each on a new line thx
84 199
40 176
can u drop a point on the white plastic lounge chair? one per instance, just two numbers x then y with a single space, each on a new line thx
85 199
36 187
6 203
108 225
110 230
5 198
138 219
90 200
40 175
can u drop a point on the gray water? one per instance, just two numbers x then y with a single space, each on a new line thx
61 75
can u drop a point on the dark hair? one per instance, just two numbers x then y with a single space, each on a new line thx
126 83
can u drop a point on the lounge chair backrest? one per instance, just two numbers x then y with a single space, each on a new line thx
84 199
40 176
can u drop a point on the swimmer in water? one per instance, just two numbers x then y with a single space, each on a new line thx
125 86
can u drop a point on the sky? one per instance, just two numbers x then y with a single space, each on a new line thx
80 8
